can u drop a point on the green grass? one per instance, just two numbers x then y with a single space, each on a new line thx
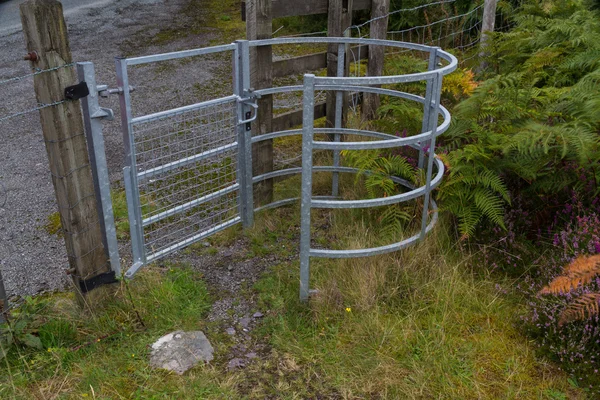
415 324
103 354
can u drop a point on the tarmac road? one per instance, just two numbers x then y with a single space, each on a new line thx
10 19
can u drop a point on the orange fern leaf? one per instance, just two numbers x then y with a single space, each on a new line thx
581 308
580 272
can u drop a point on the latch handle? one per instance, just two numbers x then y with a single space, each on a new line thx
253 118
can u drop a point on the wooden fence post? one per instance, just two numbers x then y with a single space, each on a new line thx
379 12
339 19
259 25
63 130
487 25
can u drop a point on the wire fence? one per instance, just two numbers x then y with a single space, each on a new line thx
23 160
18 110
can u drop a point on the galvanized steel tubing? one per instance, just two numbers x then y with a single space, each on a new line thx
424 142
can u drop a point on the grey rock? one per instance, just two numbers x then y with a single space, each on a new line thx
230 331
258 314
245 322
179 351
236 363
251 355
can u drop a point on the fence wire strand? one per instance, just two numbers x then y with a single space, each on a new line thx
37 72
40 106
74 203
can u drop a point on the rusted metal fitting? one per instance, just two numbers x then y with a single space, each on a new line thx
31 56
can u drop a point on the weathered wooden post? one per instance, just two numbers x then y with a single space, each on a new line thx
487 25
379 15
339 18
259 25
63 131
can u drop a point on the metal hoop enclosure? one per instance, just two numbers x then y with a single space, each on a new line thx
240 107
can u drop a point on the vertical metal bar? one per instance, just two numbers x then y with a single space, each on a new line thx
427 105
241 79
129 172
339 107
307 166
437 89
92 115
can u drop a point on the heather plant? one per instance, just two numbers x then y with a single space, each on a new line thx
564 314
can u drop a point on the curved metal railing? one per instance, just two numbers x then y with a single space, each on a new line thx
424 142
440 63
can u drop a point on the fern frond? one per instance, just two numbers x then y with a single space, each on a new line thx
581 308
580 272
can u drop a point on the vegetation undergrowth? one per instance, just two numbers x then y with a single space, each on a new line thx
421 323
416 324
103 353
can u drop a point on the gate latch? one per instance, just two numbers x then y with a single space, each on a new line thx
249 116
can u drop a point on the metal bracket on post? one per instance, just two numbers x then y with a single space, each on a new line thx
104 113
93 114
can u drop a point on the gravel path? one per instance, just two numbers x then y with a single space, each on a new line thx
31 259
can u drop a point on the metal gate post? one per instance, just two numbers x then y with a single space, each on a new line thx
339 107
426 124
241 83
308 122
92 116
130 171
433 116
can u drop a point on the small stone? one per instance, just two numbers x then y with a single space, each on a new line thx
258 314
251 355
205 244
245 322
230 331
230 268
179 351
236 363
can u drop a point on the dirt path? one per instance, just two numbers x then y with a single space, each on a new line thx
31 259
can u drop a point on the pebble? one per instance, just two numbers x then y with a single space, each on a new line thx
236 363
245 322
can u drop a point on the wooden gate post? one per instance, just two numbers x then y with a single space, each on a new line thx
259 25
63 130
339 18
487 25
379 14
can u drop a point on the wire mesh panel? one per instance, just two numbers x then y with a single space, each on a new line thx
186 166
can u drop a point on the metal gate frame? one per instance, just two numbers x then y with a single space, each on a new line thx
246 113
246 110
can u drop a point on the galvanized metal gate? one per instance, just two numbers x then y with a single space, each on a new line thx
185 167
188 170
